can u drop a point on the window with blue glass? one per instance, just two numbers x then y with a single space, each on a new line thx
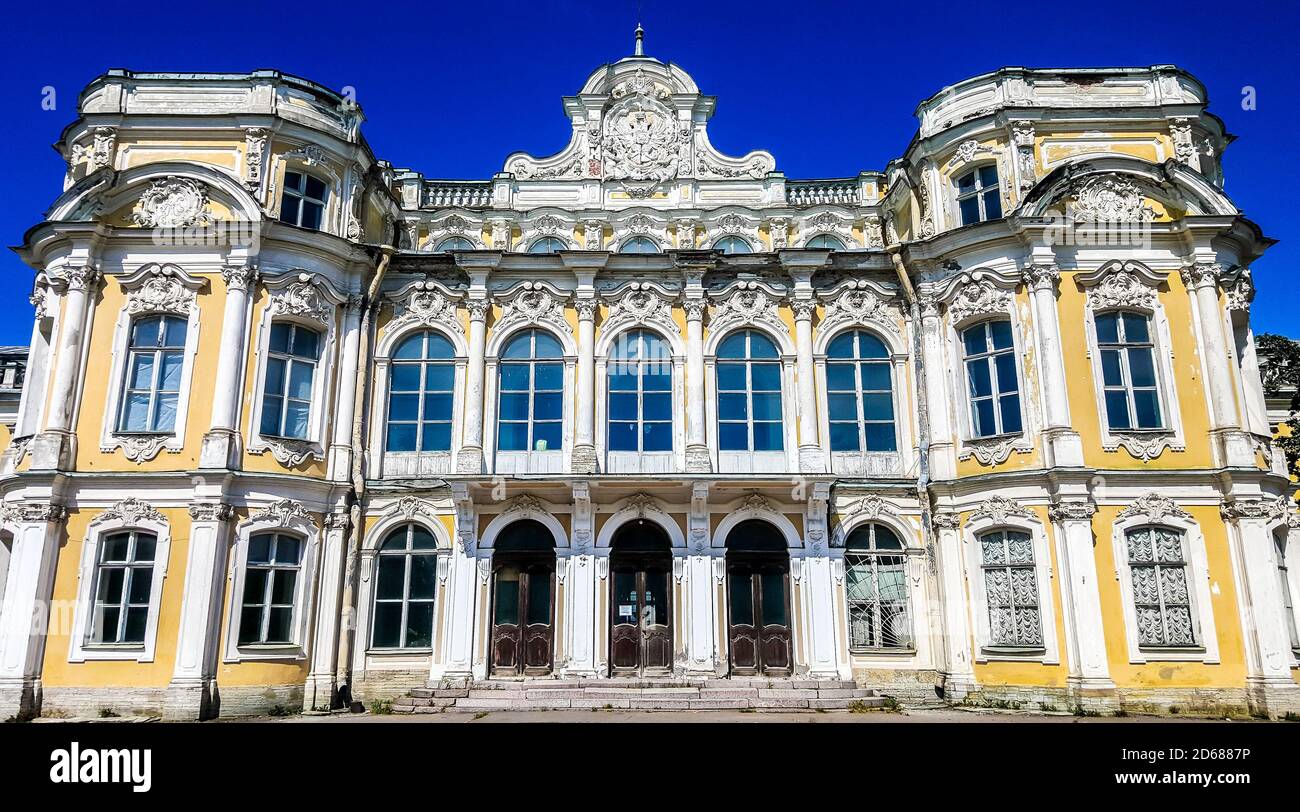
531 393
860 393
421 379
978 196
454 244
547 245
1128 371
825 241
290 376
303 200
993 387
732 245
641 393
639 245
155 360
749 393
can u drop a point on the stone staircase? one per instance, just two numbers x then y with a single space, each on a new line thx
642 694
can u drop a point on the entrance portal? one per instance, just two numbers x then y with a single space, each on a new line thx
640 601
523 603
758 600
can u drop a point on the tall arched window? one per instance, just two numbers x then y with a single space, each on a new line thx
641 393
290 376
826 241
454 244
1128 370
406 578
639 245
532 393
875 582
547 245
732 245
153 375
859 393
420 384
749 393
993 388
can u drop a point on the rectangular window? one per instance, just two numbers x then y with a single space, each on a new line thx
1284 584
303 200
155 360
977 195
290 376
270 589
1128 371
993 387
1011 586
123 586
1161 598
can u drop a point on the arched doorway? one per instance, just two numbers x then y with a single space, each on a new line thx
523 600
758 600
640 601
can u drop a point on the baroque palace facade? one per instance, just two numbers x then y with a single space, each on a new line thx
302 428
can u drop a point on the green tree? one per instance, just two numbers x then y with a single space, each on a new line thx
1279 366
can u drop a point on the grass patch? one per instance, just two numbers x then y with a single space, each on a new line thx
281 710
108 713
480 714
381 707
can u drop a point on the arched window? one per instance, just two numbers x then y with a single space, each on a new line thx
406 577
1284 576
1011 585
732 245
992 384
420 384
454 244
123 587
532 393
749 393
641 393
547 245
155 360
290 377
859 393
826 241
303 200
977 195
1158 569
270 589
639 245
1128 369
875 582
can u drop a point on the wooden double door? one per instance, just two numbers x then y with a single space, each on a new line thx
641 612
758 613
523 608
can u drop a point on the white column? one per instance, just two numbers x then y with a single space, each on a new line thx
1063 441
1089 673
819 589
193 686
1268 643
470 458
462 587
959 670
943 458
321 689
25 617
698 459
341 451
1234 447
584 447
811 458
52 448
580 589
700 648
221 443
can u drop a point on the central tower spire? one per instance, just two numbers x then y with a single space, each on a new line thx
640 37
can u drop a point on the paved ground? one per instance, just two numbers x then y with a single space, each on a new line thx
705 717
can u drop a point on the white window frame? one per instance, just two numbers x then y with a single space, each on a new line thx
637 462
442 561
288 523
438 248
80 649
415 463
985 650
906 554
633 238
1286 565
1198 588
783 461
549 461
978 194
895 371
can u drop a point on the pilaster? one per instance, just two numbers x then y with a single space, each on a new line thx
25 616
192 693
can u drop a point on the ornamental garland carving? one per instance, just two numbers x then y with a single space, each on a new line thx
99 153
304 298
992 451
999 508
1279 508
978 297
747 303
173 202
567 168
131 511
137 448
1145 446
640 303
967 151
1240 292
1022 134
290 453
1110 199
160 289
643 504
857 303
426 304
525 503
533 303
408 507
1154 507
211 511
282 512
826 222
1077 511
755 168
255 140
875 237
755 503
1122 288
641 139
454 226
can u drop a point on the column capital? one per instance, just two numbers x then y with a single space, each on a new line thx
1200 275
803 308
694 309
586 308
239 277
211 511
1040 277
1072 511
29 512
946 520
1280 508
76 278
478 308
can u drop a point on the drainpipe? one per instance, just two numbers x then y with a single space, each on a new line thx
357 532
922 405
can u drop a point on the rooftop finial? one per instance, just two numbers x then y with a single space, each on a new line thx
640 36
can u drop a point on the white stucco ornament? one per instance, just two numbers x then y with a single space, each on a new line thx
173 202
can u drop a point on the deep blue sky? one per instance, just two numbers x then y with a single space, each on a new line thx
829 88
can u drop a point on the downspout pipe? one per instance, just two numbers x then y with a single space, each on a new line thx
358 476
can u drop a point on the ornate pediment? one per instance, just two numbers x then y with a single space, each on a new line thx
454 225
746 302
1121 285
533 303
282 512
131 511
827 222
854 302
408 507
640 137
999 508
975 295
173 202
1109 198
640 303
1154 507
305 295
161 289
427 303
